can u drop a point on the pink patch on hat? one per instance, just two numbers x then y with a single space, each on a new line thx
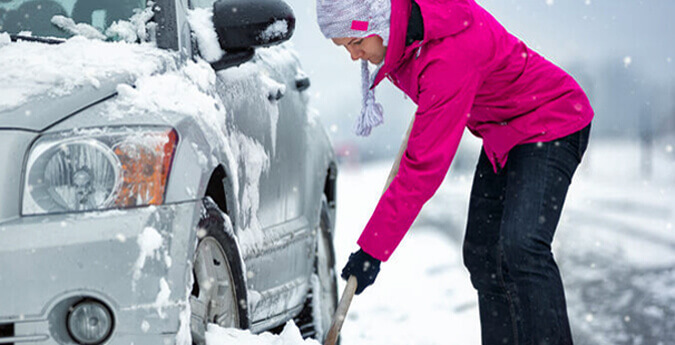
359 25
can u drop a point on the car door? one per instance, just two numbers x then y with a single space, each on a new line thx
292 125
286 86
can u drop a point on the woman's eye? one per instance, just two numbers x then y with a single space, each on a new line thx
358 42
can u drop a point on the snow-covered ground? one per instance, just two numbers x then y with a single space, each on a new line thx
615 246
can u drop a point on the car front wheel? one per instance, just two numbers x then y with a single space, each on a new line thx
218 292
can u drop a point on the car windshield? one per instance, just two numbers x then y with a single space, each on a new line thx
34 16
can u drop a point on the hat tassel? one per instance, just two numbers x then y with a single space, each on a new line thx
372 113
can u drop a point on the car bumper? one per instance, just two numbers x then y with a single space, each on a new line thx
48 263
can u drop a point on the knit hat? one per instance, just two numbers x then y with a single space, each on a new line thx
358 18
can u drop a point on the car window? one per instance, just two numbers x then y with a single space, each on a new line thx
35 15
202 3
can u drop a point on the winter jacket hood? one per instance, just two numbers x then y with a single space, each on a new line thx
441 19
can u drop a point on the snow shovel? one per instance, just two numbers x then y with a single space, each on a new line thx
350 289
341 312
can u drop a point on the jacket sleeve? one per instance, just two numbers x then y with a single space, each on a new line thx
445 99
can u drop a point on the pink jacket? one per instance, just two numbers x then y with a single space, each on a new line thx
467 72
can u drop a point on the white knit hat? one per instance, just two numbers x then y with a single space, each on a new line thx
358 18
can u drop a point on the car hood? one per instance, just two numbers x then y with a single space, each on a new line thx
42 84
41 111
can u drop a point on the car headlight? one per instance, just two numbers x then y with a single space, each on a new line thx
98 169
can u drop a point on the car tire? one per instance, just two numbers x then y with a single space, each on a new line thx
219 289
317 314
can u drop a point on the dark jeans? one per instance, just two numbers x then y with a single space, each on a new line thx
513 216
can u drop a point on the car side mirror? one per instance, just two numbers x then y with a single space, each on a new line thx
243 25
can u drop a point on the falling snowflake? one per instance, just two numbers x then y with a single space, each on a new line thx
627 61
549 2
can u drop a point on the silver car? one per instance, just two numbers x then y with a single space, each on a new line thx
126 219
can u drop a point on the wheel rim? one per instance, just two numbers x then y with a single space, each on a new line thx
213 298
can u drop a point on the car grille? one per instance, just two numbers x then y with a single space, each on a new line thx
6 333
8 336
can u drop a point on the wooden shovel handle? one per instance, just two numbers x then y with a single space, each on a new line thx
350 289
341 312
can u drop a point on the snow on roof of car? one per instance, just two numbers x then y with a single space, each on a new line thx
31 69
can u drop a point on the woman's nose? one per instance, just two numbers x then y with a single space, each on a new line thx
355 54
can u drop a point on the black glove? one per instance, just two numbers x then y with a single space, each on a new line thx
362 266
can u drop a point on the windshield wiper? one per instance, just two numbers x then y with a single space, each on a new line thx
36 39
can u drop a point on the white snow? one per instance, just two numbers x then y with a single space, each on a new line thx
253 297
277 29
145 326
229 336
201 157
162 299
316 307
33 69
184 335
605 233
80 29
179 91
201 22
149 243
137 28
5 38
253 160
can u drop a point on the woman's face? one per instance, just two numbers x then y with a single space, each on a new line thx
370 48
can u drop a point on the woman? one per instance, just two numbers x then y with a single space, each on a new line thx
463 69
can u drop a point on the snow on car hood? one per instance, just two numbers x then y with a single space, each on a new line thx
42 83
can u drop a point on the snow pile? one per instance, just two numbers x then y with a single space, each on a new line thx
137 28
5 39
81 29
216 335
201 22
184 91
277 29
31 69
